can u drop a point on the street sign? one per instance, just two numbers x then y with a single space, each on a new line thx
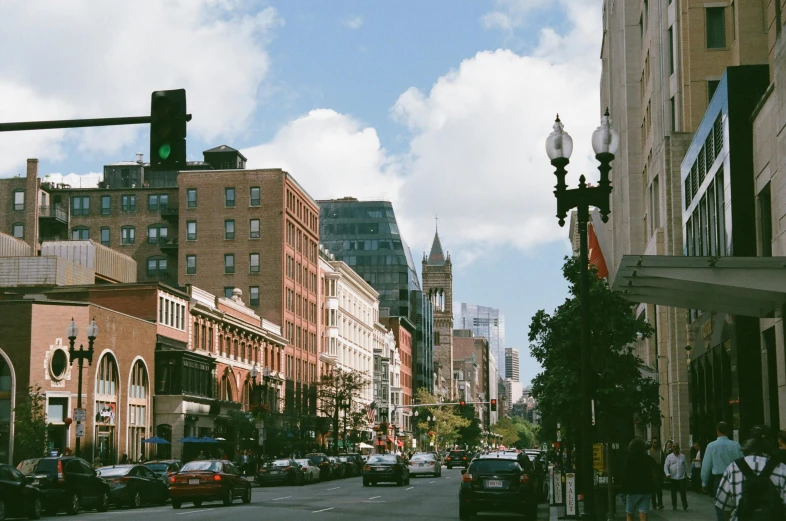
80 415
597 457
557 487
570 494
559 435
261 440
80 430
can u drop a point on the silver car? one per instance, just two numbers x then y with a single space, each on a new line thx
425 464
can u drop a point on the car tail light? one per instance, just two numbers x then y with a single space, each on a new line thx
524 479
467 478
172 479
60 477
286 469
367 467
121 480
217 477
448 458
305 469
464 457
324 463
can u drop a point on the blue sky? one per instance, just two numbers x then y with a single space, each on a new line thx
440 106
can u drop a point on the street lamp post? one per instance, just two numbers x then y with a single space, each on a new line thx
559 147
92 332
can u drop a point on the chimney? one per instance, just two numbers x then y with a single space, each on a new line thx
140 157
32 206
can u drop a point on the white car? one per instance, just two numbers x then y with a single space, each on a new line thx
424 464
310 472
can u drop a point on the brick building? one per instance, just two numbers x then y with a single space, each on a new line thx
403 329
471 350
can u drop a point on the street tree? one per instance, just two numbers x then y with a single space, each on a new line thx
527 432
472 434
447 423
30 426
620 389
506 428
336 391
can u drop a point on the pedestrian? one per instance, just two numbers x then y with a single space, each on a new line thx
97 462
201 455
718 455
753 487
660 459
640 475
124 459
676 468
781 454
695 467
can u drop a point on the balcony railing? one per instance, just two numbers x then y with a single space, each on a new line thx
56 212
167 211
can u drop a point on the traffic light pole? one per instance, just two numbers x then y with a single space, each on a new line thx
76 123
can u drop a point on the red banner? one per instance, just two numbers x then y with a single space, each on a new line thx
595 253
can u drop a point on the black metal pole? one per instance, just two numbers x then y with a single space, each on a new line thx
79 404
76 123
586 363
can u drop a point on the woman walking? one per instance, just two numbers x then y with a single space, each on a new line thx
639 483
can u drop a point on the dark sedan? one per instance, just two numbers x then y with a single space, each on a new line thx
208 480
17 497
164 468
66 483
134 485
385 468
498 483
280 472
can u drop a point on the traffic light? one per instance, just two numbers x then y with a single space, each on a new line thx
462 404
493 404
168 130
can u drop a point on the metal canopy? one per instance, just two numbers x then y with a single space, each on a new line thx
751 286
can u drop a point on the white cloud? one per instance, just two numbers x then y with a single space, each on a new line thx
354 22
510 13
103 59
90 180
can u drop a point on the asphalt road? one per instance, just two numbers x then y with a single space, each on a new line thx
425 499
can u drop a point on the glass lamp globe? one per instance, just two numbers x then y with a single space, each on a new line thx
92 329
559 144
605 139
71 329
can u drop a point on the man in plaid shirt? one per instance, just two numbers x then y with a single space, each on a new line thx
729 492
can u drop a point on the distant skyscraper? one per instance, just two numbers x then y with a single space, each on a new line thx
486 322
512 364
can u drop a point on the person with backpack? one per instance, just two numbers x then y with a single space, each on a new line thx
753 487
718 455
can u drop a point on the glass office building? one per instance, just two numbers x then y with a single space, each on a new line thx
483 321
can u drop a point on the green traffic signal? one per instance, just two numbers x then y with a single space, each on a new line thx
164 151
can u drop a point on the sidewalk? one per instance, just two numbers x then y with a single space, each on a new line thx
700 508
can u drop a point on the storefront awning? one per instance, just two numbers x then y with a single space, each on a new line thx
750 286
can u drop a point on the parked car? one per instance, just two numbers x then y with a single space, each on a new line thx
358 460
385 467
337 469
457 458
164 468
425 463
133 485
310 471
538 459
18 498
208 480
321 460
350 468
66 483
497 482
246 463
280 472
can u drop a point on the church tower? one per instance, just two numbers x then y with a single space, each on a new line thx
438 286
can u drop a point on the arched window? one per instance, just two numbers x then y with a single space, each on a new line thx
247 395
105 441
225 389
138 409
243 351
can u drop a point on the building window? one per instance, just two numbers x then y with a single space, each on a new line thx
229 197
105 235
153 201
19 200
765 218
190 264
254 194
672 50
128 203
191 231
716 27
253 295
80 234
228 294
253 262
229 229
18 230
712 86
673 105
191 197
157 233
229 263
127 235
80 205
156 266
106 205
253 227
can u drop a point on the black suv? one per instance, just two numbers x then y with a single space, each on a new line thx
498 482
458 458
66 483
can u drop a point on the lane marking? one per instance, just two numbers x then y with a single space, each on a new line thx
375 502
375 497
279 498
193 511
334 488
430 482
323 510
410 488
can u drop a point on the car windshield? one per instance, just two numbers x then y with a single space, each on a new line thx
204 466
384 458
303 462
158 468
280 463
30 466
343 459
422 457
111 472
493 465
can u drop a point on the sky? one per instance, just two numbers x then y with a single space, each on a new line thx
441 107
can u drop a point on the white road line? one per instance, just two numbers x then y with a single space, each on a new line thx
432 482
323 510
375 502
375 497
334 488
280 498
410 488
193 512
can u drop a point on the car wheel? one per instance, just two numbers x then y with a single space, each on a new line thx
247 496
400 481
198 503
449 467
35 509
229 497
366 483
136 500
176 504
103 504
72 506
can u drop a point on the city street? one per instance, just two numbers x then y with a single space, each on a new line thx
426 498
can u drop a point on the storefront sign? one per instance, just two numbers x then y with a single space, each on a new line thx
80 430
706 329
557 487
597 457
570 494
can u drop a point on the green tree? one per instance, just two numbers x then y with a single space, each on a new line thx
508 431
447 422
335 390
527 432
30 426
620 390
472 434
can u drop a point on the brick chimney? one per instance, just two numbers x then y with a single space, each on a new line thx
32 206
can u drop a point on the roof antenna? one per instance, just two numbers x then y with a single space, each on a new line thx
436 218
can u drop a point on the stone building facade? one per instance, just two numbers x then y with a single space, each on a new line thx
438 286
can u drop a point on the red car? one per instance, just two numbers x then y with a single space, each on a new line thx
208 480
